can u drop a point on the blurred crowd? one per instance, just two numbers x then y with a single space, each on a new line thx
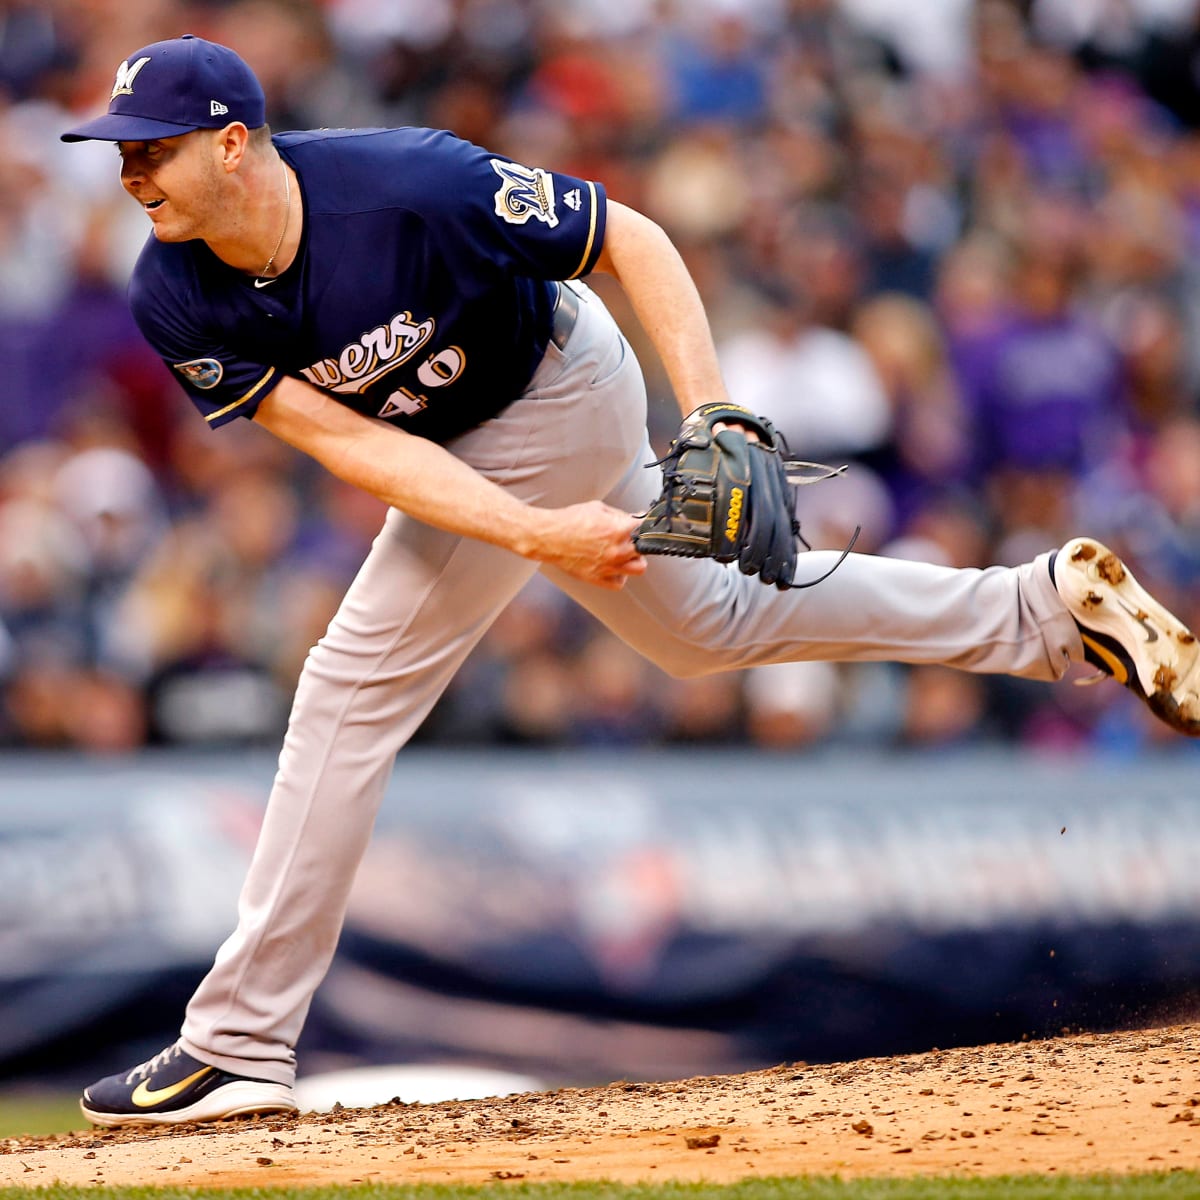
954 245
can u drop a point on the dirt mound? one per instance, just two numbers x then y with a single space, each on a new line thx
1090 1102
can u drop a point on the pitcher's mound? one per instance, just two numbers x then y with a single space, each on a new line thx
1081 1104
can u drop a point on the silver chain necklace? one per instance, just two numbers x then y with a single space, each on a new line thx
287 212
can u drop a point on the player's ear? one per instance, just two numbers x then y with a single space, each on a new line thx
231 144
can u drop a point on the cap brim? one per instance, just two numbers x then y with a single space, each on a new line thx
119 127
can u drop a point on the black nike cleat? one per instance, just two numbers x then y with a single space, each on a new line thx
173 1087
1127 634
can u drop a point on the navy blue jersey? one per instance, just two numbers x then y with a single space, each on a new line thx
420 293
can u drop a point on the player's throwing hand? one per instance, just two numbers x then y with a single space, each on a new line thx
591 541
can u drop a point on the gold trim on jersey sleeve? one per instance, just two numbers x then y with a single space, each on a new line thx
587 250
248 396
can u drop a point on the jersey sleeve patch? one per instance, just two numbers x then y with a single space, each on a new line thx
524 192
202 373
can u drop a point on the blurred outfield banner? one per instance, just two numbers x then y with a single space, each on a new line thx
586 917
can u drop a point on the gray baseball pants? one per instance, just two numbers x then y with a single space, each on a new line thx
424 598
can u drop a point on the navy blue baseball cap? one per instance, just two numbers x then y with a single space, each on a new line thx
174 87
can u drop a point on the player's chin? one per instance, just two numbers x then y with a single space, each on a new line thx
166 229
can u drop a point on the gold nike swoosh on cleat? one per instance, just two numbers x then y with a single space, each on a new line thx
144 1096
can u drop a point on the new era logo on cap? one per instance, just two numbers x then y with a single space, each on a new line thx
169 88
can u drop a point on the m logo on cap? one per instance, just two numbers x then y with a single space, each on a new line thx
126 74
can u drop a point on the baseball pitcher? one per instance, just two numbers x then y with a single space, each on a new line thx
407 309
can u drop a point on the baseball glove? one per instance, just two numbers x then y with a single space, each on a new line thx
727 497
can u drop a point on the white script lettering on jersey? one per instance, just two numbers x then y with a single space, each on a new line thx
376 352
524 192
127 72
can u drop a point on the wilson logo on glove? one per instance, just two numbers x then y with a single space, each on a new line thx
735 515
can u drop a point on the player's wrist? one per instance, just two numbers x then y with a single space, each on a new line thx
532 532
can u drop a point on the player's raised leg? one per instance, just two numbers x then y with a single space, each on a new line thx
693 616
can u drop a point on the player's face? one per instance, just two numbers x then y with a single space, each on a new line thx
175 181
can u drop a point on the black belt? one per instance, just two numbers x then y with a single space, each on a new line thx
566 313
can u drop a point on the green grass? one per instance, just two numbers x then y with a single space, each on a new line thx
1179 1185
32 1114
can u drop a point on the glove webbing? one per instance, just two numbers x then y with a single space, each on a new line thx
794 469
